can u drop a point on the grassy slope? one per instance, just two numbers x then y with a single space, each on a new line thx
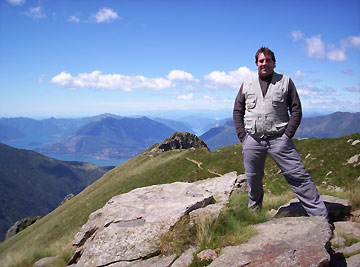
56 230
33 185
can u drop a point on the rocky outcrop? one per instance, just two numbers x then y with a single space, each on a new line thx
21 225
126 231
337 208
179 140
127 228
345 244
67 198
301 241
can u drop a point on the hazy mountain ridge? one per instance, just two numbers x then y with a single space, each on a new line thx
32 184
223 135
333 125
111 138
9 132
48 127
88 137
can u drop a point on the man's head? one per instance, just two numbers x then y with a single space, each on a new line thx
265 61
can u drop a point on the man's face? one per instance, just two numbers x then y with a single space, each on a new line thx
265 65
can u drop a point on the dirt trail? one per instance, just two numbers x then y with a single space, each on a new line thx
201 168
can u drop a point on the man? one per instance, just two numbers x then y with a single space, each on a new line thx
263 125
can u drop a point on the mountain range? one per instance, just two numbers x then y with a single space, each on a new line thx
333 125
111 138
34 185
103 136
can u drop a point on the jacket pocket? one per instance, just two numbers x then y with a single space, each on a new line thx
250 101
250 126
278 98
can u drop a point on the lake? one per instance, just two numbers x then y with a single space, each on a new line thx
33 143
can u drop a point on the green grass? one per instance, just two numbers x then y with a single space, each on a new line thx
233 226
56 230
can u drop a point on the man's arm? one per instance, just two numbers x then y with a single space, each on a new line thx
238 114
295 110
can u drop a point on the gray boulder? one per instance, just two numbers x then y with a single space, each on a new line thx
337 208
301 241
127 228
353 261
348 228
21 225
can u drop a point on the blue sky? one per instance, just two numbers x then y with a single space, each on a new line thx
74 58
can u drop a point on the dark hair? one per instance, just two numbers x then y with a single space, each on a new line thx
265 51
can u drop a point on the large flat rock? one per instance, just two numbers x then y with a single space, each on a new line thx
337 208
300 241
127 228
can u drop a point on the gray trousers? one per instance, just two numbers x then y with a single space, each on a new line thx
282 149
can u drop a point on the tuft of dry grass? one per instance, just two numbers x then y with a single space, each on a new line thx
178 239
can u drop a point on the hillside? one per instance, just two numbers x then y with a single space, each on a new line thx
333 125
223 135
9 132
111 138
33 185
325 160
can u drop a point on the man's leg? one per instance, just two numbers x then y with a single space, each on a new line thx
283 151
254 163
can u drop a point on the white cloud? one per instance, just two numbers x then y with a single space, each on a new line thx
16 2
299 75
297 35
307 89
35 12
97 80
189 96
336 55
105 15
181 76
354 41
74 19
221 79
322 101
317 48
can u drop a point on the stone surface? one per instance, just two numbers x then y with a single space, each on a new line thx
67 198
355 142
185 259
353 159
206 255
353 261
158 261
337 208
127 228
44 261
348 228
339 241
352 249
21 225
221 190
300 241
